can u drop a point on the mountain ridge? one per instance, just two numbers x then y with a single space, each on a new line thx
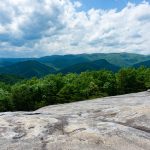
27 69
90 66
70 63
120 59
144 63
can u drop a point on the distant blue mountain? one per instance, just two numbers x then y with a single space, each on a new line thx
29 67
63 61
118 59
144 63
90 66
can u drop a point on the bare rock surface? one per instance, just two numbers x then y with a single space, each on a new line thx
111 123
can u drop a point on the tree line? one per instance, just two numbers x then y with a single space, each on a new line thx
55 89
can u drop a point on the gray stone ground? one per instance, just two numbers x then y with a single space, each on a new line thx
111 123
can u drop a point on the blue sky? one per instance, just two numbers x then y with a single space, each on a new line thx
45 27
106 4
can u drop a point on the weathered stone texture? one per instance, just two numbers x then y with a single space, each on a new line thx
111 123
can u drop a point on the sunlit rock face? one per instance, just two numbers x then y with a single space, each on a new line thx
111 123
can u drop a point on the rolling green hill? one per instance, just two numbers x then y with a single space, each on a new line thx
60 62
28 69
118 59
4 62
90 66
144 63
10 79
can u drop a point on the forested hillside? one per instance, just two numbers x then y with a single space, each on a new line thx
144 63
90 66
28 69
57 88
62 61
118 59
39 67
10 79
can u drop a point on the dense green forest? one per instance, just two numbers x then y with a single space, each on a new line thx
32 94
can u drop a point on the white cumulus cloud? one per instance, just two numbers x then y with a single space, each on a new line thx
44 27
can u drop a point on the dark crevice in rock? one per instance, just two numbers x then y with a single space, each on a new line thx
141 128
30 114
76 130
